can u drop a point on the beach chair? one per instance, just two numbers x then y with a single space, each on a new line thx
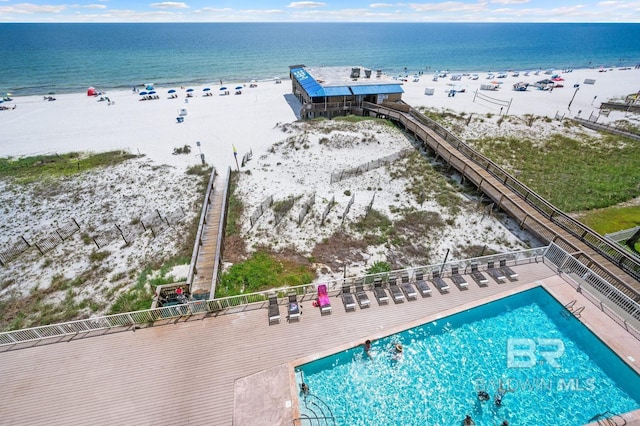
274 310
408 290
458 279
348 300
477 276
293 308
439 282
381 295
422 285
361 295
507 271
396 292
323 300
495 273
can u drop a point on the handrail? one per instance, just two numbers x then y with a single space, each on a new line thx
627 261
217 263
201 223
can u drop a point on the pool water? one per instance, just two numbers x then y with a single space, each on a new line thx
555 371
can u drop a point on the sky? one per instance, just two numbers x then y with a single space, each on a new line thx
320 11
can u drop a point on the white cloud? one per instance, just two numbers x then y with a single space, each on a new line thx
380 5
449 6
510 1
29 8
170 5
306 4
94 6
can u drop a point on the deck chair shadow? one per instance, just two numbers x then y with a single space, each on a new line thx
439 282
508 271
323 300
458 279
422 285
408 290
348 300
478 276
293 308
361 295
274 310
378 290
496 273
394 289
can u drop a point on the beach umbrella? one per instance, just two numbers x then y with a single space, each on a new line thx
143 93
149 87
153 92
206 89
171 91
238 87
223 88
189 90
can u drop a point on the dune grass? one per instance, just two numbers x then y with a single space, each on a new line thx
263 271
605 221
573 175
42 167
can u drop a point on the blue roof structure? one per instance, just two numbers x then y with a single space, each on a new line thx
377 89
314 89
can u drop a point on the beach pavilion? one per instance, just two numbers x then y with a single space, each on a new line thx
338 91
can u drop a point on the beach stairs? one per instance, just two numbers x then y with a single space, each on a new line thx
202 286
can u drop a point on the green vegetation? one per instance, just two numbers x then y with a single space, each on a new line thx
42 167
260 272
234 212
573 175
426 182
378 267
359 118
613 219
140 296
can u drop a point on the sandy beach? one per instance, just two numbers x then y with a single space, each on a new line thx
78 122
258 120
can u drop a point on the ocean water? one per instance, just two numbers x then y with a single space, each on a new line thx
42 58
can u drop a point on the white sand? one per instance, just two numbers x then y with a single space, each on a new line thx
76 122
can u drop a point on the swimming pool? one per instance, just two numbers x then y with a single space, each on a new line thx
556 371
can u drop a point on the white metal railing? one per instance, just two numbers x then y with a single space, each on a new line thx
553 254
226 305
571 267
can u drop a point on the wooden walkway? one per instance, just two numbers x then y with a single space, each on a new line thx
528 216
203 280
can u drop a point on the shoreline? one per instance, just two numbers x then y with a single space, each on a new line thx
77 122
391 71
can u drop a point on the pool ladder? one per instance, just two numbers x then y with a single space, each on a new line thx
570 308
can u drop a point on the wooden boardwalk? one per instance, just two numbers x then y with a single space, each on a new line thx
528 216
203 280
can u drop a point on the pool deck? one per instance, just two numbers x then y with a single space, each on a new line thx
233 369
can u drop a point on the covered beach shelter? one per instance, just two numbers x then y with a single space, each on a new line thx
338 91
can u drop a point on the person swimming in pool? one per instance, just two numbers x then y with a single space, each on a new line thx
483 395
